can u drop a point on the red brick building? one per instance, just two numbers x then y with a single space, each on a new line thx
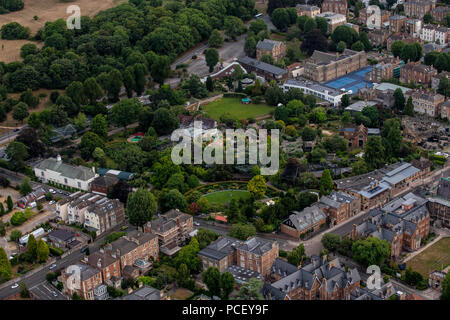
81 279
340 206
356 136
308 220
336 6
108 265
103 184
417 73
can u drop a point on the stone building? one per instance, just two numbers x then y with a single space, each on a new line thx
378 37
324 66
439 13
397 23
307 10
384 70
267 71
366 13
275 49
334 20
340 206
426 102
308 220
336 6
418 8
103 216
439 205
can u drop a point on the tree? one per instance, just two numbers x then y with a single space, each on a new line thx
409 109
125 112
211 277
75 92
250 46
296 256
331 241
371 251
314 40
216 39
120 191
25 187
444 87
257 186
242 231
89 142
14 31
399 100
397 48
114 84
160 69
341 46
9 203
322 25
205 237
251 290
373 153
5 266
42 252
183 276
280 19
99 126
392 137
227 284
233 27
427 18
445 287
346 34
308 134
209 84
358 46
165 121
188 255
173 199
32 247
20 111
326 182
141 206
212 58
17 152
15 235
80 121
24 293
92 90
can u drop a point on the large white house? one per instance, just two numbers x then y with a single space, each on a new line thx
56 171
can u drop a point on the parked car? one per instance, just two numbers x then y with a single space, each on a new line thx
52 202
53 266
196 224
54 294
15 285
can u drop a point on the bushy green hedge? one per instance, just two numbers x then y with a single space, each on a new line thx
56 251
235 95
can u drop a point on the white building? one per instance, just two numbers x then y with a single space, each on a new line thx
319 90
56 171
432 33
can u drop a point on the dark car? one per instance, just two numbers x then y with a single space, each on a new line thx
402 266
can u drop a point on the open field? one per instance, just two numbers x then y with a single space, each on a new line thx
435 257
45 10
234 107
222 197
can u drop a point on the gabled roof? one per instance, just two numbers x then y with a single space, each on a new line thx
262 66
268 44
66 170
307 217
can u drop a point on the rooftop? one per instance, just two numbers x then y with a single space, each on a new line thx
262 66
66 170
315 86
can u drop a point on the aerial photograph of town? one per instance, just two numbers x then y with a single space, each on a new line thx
228 153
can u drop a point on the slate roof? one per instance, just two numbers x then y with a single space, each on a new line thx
105 181
405 171
262 66
336 199
66 170
144 293
167 221
86 271
96 258
220 248
267 44
257 245
283 268
61 234
307 217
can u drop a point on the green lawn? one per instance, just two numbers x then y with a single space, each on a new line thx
222 197
236 109
433 258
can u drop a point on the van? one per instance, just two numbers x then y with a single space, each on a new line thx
259 15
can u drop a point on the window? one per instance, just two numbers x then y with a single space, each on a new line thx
65 180
42 173
79 184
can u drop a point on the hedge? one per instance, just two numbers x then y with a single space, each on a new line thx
234 95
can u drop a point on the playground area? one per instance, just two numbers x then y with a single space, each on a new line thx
135 138
352 81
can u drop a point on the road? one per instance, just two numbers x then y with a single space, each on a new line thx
45 291
7 138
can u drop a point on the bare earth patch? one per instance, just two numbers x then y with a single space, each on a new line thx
45 10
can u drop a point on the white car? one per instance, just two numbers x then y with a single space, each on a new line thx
52 202
15 285
53 266
196 224
54 294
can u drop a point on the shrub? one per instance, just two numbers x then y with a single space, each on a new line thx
14 31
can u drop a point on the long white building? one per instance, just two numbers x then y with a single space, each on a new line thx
56 171
318 90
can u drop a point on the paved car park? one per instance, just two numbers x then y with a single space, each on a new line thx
46 291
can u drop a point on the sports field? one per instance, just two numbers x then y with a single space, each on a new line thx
223 197
433 258
237 110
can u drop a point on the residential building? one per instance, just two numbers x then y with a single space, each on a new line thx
366 16
54 170
275 49
257 254
324 66
308 220
37 195
334 20
404 223
318 280
340 206
295 70
62 206
383 293
418 8
353 26
424 165
439 205
437 34
385 70
358 106
414 27
265 70
378 37
220 254
103 184
336 6
417 73
133 249
81 279
108 265
381 93
307 10
172 229
439 13
397 23
435 80
62 239
280 269
436 278
77 208
426 102
356 136
146 293
445 110
102 216
320 91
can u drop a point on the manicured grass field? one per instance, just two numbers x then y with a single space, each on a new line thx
237 110
433 258
222 197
